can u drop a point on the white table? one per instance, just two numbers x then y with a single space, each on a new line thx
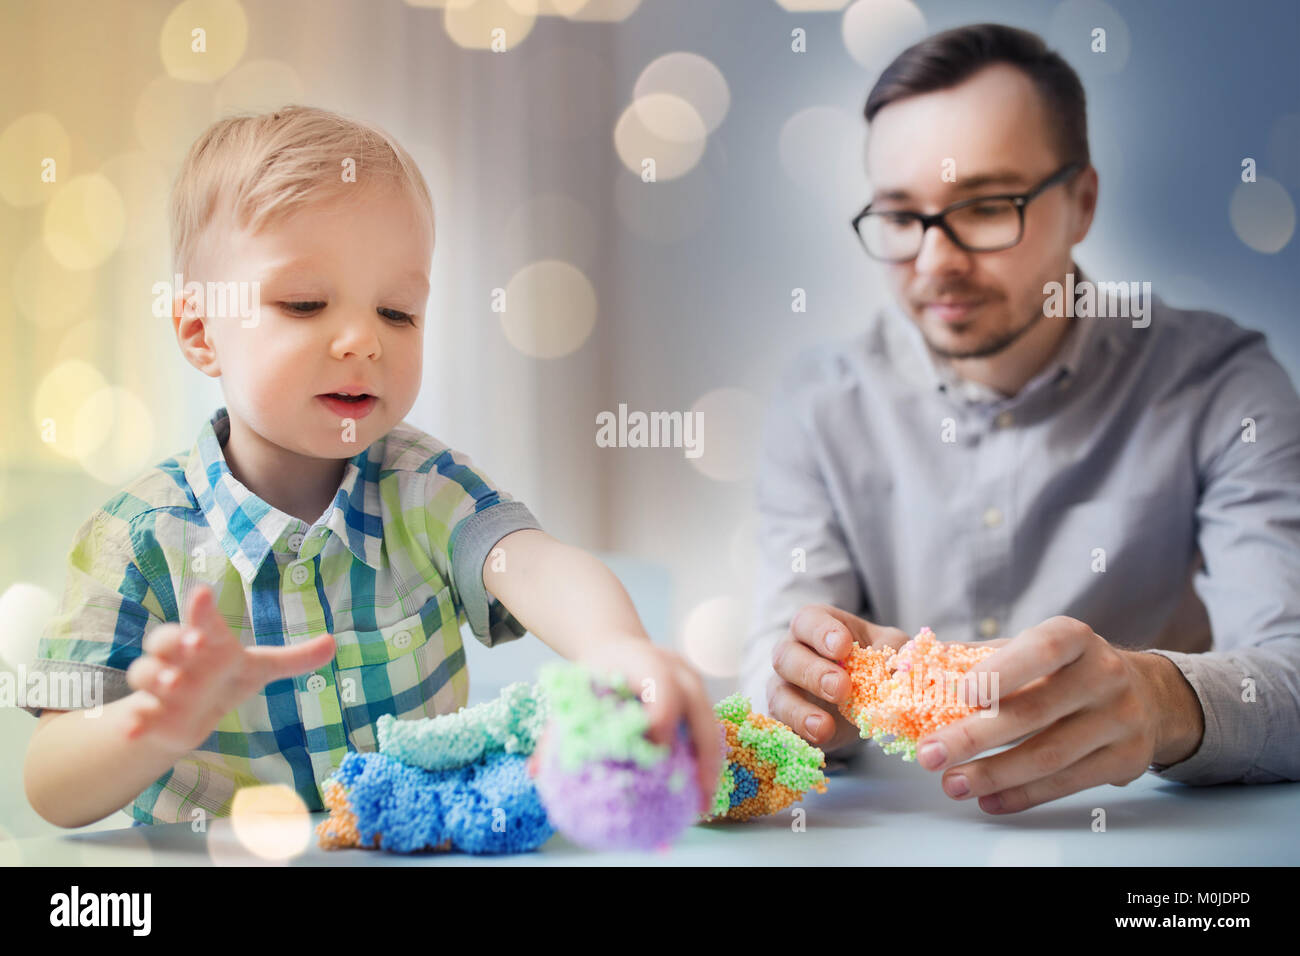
879 811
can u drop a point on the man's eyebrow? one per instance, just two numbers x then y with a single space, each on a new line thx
996 177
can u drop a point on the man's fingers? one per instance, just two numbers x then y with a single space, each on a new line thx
1005 718
808 720
1053 750
831 631
1104 765
1036 652
799 665
276 663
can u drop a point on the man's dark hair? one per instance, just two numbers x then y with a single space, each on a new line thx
946 59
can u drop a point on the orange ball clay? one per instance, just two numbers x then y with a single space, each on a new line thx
900 696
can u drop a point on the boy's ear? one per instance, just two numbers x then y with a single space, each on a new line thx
192 336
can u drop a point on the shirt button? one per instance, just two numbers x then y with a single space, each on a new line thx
299 574
992 517
315 683
989 626
402 639
295 542
1004 420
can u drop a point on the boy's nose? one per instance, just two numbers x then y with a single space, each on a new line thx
356 337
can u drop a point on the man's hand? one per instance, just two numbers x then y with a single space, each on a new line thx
193 674
1097 714
808 672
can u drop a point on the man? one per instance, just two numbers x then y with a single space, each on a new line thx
982 461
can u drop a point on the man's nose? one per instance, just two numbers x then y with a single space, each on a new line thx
939 255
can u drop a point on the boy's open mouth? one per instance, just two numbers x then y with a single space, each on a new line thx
357 405
343 397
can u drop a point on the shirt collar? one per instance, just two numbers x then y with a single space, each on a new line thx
249 528
936 372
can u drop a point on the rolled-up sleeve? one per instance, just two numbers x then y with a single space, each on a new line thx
466 516
1248 684
802 554
106 610
472 541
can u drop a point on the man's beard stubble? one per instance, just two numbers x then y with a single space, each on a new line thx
992 347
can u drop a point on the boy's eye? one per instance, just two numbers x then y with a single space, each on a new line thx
404 318
303 307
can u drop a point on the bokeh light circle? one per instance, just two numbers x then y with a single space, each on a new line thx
25 144
876 31
550 309
113 435
224 38
689 77
713 636
1262 214
84 222
662 127
732 420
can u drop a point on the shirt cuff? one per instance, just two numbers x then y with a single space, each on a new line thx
472 541
90 685
1234 729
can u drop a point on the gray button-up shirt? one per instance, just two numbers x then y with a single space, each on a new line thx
1146 482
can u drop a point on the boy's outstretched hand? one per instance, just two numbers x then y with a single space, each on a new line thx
672 692
193 673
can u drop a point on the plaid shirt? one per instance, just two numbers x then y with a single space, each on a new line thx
390 569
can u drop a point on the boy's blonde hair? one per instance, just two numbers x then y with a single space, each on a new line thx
260 167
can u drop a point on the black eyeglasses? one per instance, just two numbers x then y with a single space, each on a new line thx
980 224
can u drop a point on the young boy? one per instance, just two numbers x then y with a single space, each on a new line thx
254 605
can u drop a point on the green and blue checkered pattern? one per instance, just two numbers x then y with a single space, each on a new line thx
381 570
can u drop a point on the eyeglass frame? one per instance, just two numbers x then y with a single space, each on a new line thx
1019 200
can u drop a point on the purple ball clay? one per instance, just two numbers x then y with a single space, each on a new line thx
617 805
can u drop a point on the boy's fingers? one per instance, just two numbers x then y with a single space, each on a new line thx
146 712
666 708
165 642
704 728
277 663
203 615
162 680
143 672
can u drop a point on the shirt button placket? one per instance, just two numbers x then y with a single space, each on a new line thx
998 476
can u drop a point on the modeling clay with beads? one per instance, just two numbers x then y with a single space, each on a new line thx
768 766
603 782
900 696
456 781
509 724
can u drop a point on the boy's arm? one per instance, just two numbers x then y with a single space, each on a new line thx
560 593
79 768
576 605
